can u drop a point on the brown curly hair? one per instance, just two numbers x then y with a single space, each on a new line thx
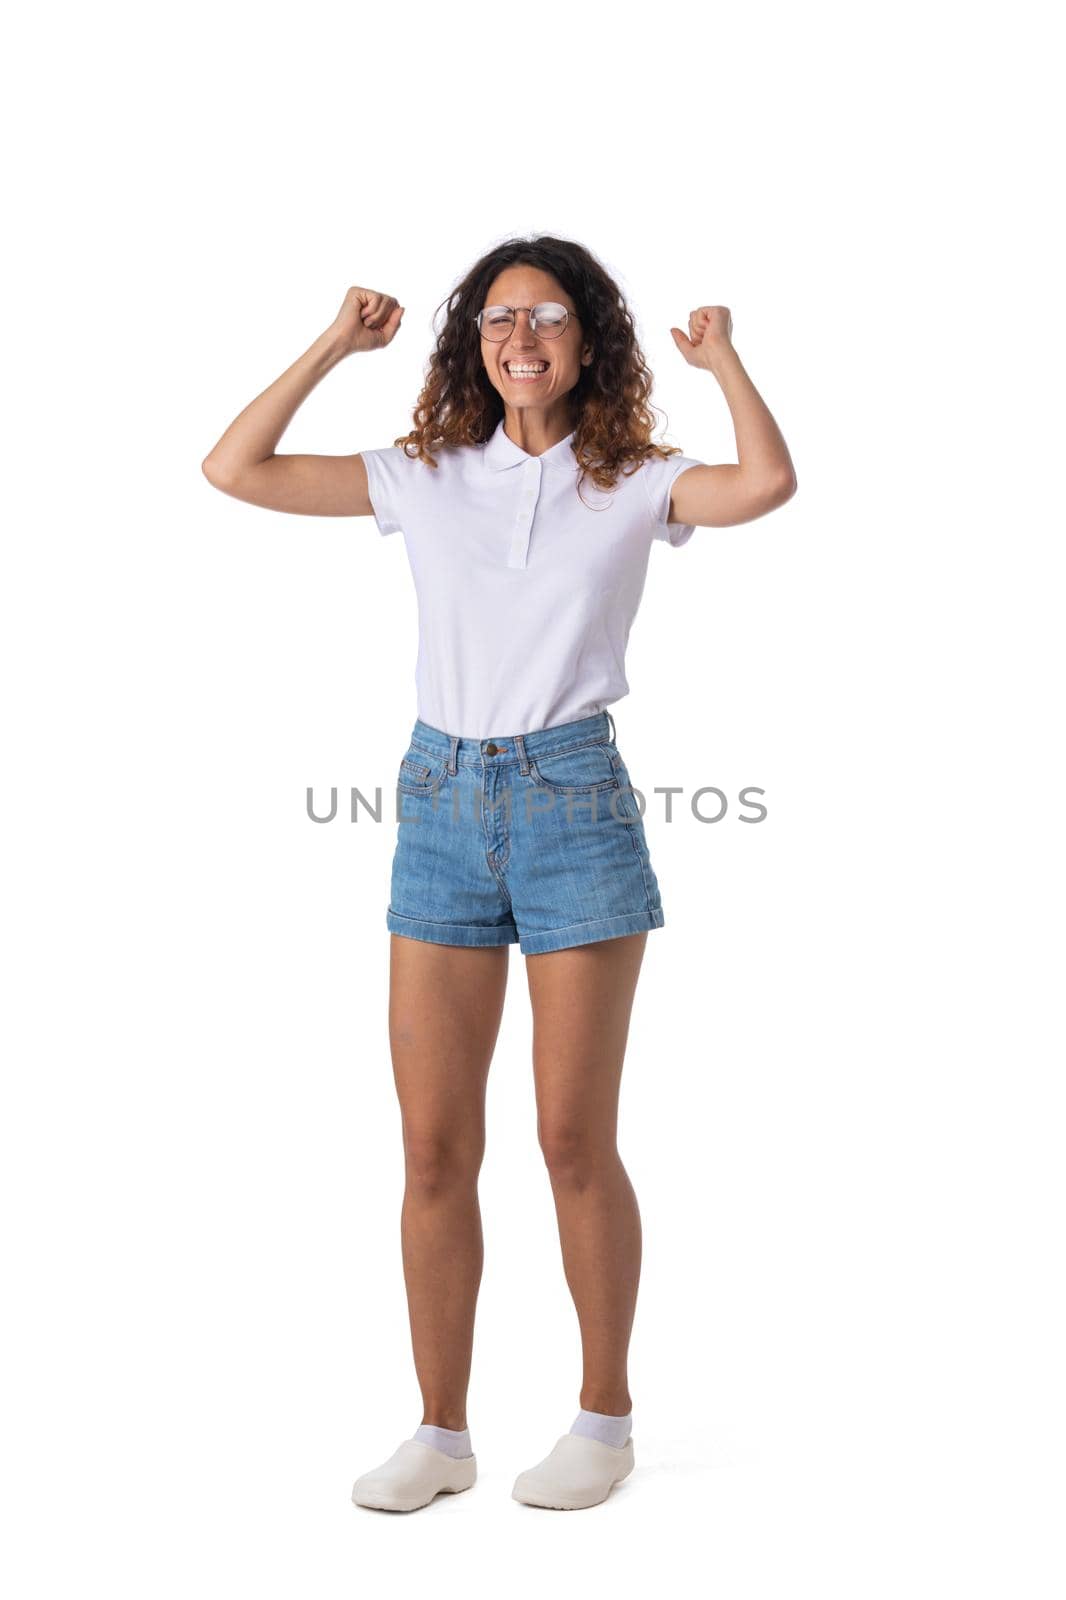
613 417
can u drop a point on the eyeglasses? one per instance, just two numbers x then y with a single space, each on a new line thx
548 320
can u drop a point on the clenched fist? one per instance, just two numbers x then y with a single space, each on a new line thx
709 328
367 320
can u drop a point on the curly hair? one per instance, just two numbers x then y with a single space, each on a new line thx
612 413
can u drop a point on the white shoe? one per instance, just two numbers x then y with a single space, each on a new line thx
412 1476
578 1472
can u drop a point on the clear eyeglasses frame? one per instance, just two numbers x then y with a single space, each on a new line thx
548 320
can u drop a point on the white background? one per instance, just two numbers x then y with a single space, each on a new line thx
841 1107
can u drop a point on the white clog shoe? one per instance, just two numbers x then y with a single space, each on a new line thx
578 1472
412 1476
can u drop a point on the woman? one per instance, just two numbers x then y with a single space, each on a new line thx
528 507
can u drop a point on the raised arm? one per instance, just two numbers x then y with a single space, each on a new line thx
763 477
243 463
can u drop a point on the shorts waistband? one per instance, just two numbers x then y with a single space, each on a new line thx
513 748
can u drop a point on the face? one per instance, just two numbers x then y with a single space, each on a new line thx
540 398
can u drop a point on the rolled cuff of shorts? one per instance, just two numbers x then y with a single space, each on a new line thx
535 944
464 933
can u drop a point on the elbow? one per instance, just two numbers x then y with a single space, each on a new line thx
772 491
213 473
784 489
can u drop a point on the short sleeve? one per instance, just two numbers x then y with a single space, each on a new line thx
389 475
659 477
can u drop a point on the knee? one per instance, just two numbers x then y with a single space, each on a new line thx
571 1154
437 1163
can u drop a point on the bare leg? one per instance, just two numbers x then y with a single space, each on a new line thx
445 1006
582 1000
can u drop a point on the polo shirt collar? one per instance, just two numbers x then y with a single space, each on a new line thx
502 452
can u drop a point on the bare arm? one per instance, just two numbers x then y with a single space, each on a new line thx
764 477
243 463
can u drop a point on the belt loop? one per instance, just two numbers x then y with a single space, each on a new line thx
523 759
610 719
452 754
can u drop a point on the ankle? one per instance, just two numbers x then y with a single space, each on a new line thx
608 1405
606 1426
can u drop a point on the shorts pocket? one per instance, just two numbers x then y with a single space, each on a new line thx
584 770
420 773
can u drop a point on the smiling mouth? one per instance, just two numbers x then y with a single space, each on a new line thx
525 377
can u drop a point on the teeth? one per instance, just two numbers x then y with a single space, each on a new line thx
523 366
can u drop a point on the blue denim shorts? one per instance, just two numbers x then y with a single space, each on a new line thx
533 838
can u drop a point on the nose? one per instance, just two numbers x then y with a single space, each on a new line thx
516 331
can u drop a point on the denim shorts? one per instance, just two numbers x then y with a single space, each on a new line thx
533 838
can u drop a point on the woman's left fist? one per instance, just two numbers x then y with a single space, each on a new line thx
709 328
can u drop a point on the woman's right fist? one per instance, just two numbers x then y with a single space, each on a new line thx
367 320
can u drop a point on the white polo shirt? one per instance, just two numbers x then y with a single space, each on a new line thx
526 591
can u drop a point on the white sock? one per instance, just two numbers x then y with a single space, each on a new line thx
453 1441
599 1425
